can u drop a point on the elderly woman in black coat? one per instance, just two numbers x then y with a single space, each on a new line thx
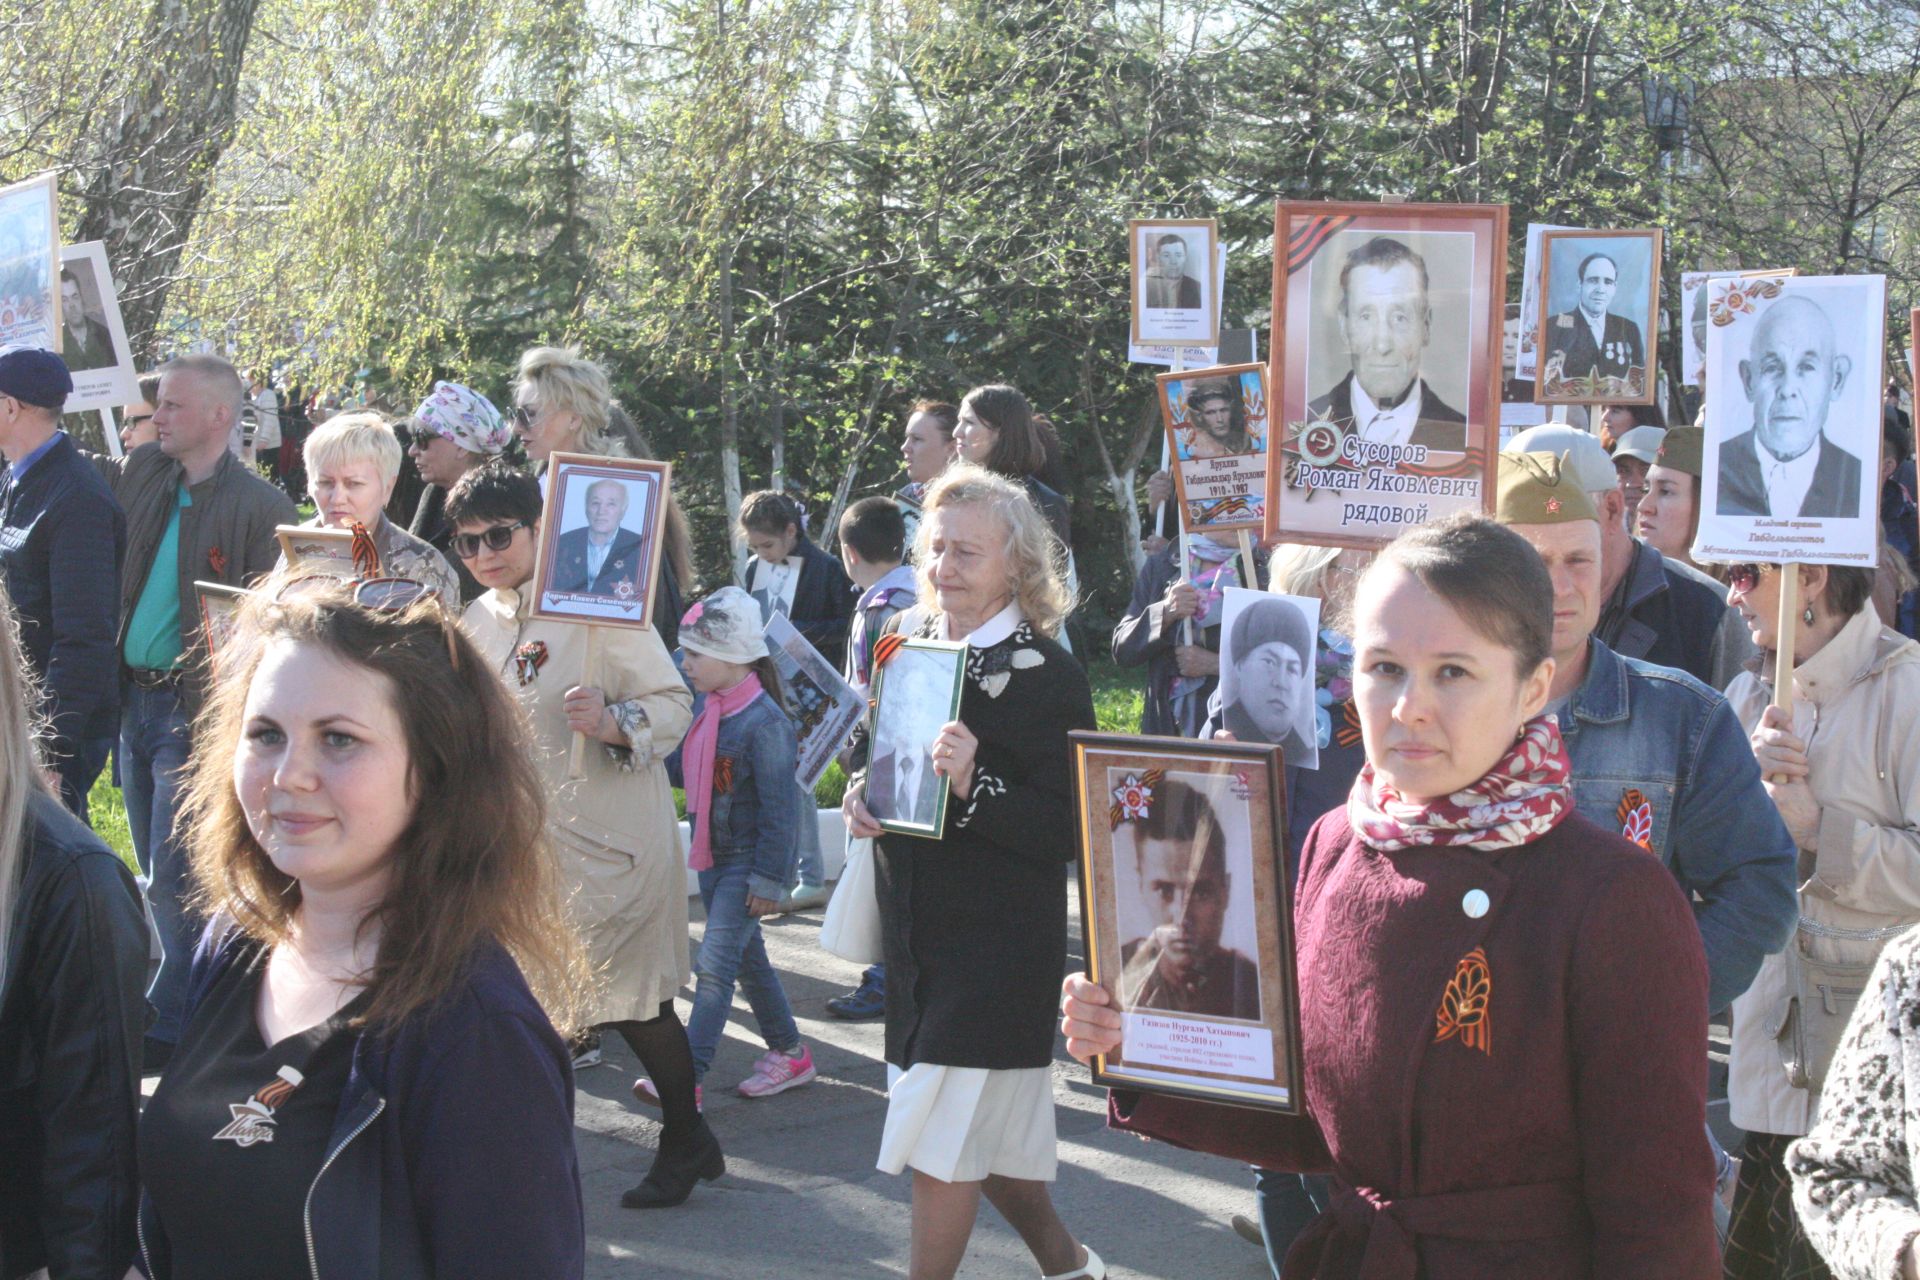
974 924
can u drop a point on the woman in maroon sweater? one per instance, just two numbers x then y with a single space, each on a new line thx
1501 1004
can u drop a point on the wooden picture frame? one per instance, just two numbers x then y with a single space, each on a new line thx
316 551
917 689
1220 488
620 592
1212 1017
30 263
1333 481
1630 320
219 614
1195 325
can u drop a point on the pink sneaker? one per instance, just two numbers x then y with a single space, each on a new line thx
776 1073
643 1092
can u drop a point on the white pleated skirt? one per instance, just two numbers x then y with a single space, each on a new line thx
959 1124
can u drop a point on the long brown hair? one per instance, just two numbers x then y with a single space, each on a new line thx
472 865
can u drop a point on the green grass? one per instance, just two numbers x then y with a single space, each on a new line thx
1116 706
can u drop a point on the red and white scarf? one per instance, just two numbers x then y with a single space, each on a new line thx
696 761
1527 794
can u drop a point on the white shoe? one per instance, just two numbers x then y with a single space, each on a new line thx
1091 1269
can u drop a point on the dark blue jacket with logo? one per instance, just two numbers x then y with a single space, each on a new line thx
452 1152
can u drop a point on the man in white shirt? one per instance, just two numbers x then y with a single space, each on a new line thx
1386 321
1785 466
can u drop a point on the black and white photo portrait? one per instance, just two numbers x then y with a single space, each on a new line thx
1177 860
600 539
1384 323
1267 655
1175 295
1599 296
93 338
1785 463
919 691
1792 439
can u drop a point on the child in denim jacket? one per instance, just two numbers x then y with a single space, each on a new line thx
738 766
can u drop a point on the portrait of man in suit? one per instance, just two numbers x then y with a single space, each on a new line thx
1175 857
1386 322
916 695
85 343
604 558
1784 465
1168 284
1590 341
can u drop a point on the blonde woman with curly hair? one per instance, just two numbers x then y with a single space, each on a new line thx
974 924
371 1013
563 403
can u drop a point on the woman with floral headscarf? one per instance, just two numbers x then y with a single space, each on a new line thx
455 429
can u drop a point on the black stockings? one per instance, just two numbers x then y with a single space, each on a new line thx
661 1045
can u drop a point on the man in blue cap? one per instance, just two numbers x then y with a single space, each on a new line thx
61 538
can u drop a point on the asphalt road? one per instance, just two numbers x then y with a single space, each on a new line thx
801 1198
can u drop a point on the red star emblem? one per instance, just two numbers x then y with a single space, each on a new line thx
1553 504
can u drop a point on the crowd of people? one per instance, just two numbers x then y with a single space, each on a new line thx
396 907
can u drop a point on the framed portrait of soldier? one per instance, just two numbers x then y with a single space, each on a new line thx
29 264
1790 465
600 537
1385 369
1268 653
916 691
1216 425
93 337
1184 902
1599 317
1176 298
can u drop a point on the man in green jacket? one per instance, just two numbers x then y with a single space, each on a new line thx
194 512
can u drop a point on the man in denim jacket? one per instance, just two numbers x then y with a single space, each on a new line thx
1657 755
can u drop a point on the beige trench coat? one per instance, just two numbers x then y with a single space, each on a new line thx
1856 704
619 844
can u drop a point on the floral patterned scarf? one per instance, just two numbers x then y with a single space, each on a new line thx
1527 794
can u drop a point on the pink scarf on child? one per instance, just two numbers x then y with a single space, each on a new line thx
696 761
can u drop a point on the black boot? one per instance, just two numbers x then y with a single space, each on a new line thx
676 1169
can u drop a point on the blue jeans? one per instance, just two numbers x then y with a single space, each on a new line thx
154 738
78 775
1288 1203
811 865
733 950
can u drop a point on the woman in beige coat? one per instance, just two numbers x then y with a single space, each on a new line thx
614 829
1843 767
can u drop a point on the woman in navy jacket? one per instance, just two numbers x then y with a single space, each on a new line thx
363 1034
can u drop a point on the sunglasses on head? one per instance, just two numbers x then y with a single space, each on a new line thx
387 595
1745 577
497 538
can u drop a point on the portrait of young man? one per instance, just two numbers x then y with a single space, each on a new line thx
1269 653
1175 859
1592 340
603 558
1785 465
1385 322
1216 422
85 343
1167 281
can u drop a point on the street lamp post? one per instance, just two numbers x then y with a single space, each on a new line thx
1668 103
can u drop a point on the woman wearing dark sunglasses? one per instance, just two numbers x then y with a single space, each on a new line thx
614 829
1840 759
